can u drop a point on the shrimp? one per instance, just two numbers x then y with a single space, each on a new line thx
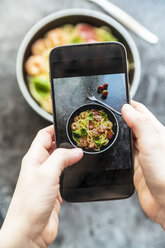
83 115
40 45
76 118
109 124
84 142
45 54
75 126
91 145
36 65
57 37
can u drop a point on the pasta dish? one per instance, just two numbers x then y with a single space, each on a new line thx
92 129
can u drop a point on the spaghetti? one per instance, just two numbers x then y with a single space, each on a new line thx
92 129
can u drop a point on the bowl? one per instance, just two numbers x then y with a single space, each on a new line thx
111 117
73 16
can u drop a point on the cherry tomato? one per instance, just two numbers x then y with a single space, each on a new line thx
104 94
110 134
105 86
100 88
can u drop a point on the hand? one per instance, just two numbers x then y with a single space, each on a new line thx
149 151
32 218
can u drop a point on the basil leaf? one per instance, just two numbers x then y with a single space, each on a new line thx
91 116
83 132
76 134
96 138
98 143
104 115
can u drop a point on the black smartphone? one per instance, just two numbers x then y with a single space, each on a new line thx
89 85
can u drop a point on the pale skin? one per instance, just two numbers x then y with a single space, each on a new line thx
149 154
32 218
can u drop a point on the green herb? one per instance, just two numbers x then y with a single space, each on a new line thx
83 132
76 134
107 35
104 115
91 116
76 40
96 138
41 85
98 143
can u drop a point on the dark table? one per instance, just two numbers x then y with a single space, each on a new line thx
104 224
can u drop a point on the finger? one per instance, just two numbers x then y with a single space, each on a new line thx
59 198
50 231
39 149
138 106
57 206
141 108
139 181
141 123
52 148
135 144
136 159
44 137
60 159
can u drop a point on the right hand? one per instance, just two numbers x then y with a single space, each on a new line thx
149 155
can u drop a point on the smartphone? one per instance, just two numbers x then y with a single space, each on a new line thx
89 85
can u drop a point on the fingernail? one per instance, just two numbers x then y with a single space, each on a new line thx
128 108
79 151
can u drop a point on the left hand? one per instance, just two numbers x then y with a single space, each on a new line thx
32 218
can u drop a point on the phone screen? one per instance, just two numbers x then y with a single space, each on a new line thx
101 132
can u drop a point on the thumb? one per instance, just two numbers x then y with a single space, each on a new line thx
140 120
60 159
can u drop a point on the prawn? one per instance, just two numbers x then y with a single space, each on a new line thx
36 65
57 37
75 126
40 45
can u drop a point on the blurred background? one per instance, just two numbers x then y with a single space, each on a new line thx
104 224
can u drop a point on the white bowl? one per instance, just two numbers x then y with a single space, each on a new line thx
73 16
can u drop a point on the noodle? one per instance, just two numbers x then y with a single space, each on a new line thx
92 129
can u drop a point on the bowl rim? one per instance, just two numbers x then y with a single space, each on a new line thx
93 104
69 12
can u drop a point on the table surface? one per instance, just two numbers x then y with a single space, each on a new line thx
102 224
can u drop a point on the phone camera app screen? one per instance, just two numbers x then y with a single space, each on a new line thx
88 115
